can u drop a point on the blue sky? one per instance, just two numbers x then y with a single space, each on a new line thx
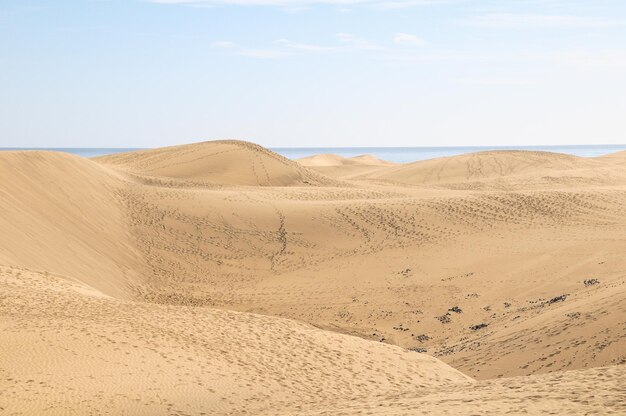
142 73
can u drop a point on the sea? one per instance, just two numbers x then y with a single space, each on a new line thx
392 154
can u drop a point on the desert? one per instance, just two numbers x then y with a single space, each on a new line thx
221 278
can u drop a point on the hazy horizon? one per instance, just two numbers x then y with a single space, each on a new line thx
388 153
466 146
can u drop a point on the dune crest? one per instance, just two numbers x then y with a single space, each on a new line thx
617 157
222 162
371 160
344 168
321 160
482 166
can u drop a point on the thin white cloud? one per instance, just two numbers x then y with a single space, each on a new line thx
281 48
262 53
304 47
281 3
523 21
355 42
223 44
300 4
406 39
608 59
403 4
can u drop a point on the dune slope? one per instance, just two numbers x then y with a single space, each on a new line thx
617 157
225 162
481 166
62 214
324 160
268 251
568 393
466 276
67 349
344 168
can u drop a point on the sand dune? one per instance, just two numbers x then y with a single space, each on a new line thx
618 157
324 160
336 160
226 162
67 349
61 214
158 282
482 166
371 160
342 167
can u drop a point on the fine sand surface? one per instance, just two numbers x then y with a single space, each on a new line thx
344 168
222 278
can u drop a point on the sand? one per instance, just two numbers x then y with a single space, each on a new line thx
221 278
222 163
344 168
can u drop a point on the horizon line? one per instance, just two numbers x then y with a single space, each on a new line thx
327 147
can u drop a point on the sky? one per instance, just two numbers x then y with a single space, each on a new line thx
312 73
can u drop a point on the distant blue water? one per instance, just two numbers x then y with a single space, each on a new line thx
80 151
392 154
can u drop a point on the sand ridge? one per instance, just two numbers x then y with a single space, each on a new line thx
617 158
342 167
485 168
223 162
321 160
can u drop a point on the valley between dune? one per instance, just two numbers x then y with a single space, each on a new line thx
220 278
